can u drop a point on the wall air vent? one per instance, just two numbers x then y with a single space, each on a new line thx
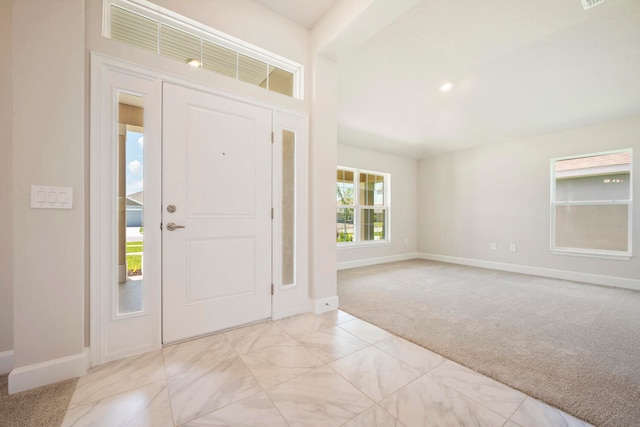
588 4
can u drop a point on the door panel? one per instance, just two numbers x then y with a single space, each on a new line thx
217 174
220 255
228 160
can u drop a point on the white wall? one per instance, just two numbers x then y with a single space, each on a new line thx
323 150
49 149
404 216
322 157
6 189
501 193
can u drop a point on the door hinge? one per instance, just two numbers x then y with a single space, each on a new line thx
272 289
272 213
160 226
272 137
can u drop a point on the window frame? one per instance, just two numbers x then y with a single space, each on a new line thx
167 18
591 253
358 207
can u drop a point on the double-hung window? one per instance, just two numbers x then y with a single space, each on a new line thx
362 212
591 204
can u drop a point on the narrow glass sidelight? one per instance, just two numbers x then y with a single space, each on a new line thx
290 224
288 206
130 203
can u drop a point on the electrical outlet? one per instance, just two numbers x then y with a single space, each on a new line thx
494 246
512 247
406 241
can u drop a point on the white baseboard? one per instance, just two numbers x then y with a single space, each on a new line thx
596 279
49 372
325 304
373 261
6 362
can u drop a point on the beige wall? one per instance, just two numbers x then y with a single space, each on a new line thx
6 189
49 149
501 194
404 212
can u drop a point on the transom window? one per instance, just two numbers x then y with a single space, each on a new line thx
362 212
591 204
147 26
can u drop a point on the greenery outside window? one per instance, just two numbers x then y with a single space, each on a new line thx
362 211
591 205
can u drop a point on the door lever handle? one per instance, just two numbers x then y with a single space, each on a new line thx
172 226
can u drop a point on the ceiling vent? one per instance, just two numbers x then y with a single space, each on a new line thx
588 4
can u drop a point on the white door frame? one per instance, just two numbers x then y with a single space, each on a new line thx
291 298
109 74
115 336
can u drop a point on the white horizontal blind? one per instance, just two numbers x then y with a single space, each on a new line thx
252 71
219 59
134 29
591 204
142 24
179 45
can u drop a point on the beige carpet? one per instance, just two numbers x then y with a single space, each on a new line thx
573 345
40 407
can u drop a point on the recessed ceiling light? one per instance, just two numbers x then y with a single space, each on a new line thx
194 63
588 4
446 87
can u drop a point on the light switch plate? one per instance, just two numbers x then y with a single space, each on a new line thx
49 197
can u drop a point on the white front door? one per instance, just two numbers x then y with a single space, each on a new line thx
216 267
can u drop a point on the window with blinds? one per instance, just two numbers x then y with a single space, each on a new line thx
175 37
591 204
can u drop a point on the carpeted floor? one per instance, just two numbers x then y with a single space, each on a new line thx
573 345
40 407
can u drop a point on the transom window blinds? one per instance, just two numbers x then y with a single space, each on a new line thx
145 29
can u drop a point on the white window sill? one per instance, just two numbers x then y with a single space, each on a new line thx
592 254
363 244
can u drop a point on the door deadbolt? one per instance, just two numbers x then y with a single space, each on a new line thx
171 208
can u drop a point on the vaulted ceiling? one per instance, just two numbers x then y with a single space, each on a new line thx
518 68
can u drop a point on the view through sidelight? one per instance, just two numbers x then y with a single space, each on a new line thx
130 168
288 206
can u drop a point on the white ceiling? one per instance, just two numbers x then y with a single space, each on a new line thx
305 12
519 69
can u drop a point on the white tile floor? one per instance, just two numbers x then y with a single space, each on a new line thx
307 370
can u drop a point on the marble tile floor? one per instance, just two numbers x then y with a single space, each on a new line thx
308 370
